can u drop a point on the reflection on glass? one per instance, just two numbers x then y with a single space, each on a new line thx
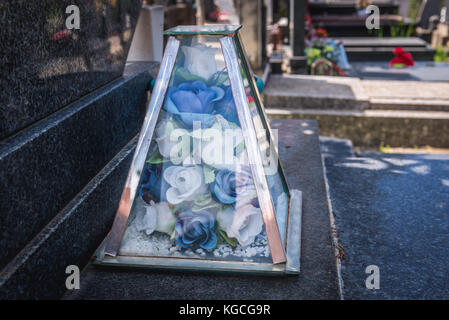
267 148
209 29
196 196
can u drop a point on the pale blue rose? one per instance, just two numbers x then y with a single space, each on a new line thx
193 101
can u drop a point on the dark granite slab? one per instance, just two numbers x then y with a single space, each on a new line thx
391 211
44 166
38 271
300 153
383 42
45 66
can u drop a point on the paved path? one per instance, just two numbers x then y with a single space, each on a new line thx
391 211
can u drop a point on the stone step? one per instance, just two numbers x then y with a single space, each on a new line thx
46 165
409 104
70 238
315 92
370 42
373 128
346 93
347 8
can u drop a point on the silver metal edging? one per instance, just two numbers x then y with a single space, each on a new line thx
252 147
143 144
186 264
261 107
294 233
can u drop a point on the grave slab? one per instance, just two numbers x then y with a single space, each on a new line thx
390 211
301 157
381 49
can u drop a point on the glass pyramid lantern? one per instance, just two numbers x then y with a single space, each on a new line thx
206 190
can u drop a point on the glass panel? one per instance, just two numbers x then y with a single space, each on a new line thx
250 137
196 196
143 144
267 141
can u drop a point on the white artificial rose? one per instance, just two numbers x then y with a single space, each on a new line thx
186 183
146 217
225 217
200 60
154 217
167 138
246 224
222 145
165 219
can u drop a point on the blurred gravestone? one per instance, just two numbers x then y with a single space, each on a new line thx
250 15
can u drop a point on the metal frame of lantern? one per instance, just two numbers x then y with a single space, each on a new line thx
286 260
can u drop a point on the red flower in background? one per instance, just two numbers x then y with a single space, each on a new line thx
321 33
249 96
308 18
401 58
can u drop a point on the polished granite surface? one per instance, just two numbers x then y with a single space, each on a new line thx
47 164
390 210
45 66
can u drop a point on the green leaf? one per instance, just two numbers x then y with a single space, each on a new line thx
239 148
156 158
204 202
183 75
173 235
218 78
209 174
231 241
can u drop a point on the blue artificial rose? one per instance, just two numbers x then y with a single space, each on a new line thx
196 228
224 186
152 184
226 106
193 101
231 185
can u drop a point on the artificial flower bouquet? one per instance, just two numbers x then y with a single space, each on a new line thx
326 52
196 196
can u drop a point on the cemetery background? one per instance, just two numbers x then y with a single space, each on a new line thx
70 116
